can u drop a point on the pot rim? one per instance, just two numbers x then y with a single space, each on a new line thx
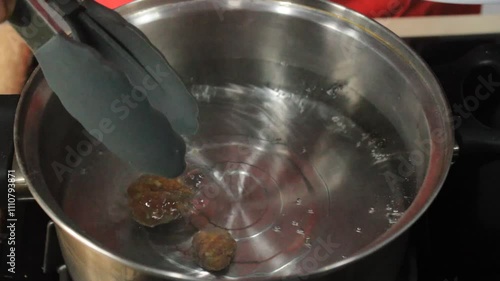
440 155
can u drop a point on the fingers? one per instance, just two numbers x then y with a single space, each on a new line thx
15 59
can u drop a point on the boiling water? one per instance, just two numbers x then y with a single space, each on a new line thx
284 172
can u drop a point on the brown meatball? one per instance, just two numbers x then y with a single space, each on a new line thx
213 248
155 200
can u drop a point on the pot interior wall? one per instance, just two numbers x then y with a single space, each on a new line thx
305 120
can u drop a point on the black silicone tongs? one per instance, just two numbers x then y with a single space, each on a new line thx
111 79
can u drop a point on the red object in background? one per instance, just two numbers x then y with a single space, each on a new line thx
405 8
113 4
379 8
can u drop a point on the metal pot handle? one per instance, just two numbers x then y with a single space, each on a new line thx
473 140
471 134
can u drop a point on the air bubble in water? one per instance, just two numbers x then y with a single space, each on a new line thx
300 231
276 228
344 257
310 211
371 211
335 89
303 150
307 242
332 92
294 223
381 143
372 142
379 157
194 179
393 217
298 201
338 123
301 106
358 230
388 208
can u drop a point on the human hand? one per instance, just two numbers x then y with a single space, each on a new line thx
15 60
6 7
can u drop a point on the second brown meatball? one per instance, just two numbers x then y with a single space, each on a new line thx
213 248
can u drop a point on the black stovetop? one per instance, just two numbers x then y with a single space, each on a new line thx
458 238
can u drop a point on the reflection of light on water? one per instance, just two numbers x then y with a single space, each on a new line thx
298 202
340 125
307 242
282 9
379 157
393 217
145 18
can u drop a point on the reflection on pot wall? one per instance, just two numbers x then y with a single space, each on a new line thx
386 8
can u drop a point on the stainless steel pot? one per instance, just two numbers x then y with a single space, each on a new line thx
322 139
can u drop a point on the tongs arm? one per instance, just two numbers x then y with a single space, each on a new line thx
34 22
105 61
